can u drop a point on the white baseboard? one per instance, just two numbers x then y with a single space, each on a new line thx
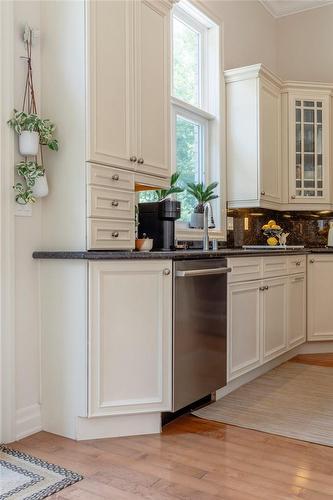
313 347
118 425
28 421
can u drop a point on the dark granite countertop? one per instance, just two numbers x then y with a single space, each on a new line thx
174 255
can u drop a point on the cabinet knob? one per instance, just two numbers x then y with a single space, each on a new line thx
261 288
133 159
311 261
141 160
298 263
115 177
115 203
263 193
166 272
266 287
293 197
115 234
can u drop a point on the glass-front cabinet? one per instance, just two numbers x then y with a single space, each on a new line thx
309 148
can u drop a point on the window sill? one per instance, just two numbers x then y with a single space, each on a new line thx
189 234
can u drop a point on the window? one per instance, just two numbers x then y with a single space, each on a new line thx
195 101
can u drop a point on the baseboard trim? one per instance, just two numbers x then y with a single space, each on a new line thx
28 421
319 346
118 426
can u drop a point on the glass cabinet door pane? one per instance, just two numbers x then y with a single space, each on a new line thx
309 148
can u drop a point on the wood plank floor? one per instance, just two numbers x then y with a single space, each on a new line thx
193 459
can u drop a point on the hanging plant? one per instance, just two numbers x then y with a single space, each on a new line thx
34 133
23 122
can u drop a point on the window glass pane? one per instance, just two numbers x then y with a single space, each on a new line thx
308 104
186 63
309 115
319 115
189 148
309 138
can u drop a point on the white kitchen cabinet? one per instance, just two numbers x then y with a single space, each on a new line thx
243 328
309 136
296 310
130 337
128 85
275 316
319 297
253 97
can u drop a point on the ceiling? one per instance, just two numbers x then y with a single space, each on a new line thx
280 8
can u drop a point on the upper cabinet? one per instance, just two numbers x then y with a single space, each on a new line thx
278 141
253 137
308 123
129 85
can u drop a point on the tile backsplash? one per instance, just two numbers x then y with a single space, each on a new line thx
305 228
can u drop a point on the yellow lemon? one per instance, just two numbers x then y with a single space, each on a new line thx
265 226
272 241
271 223
276 226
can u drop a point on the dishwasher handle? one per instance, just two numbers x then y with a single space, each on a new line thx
202 272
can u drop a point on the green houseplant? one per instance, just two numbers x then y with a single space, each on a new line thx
36 183
32 131
203 195
173 189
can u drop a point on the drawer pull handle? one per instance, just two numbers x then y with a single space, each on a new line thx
133 159
140 160
115 177
115 203
115 234
166 272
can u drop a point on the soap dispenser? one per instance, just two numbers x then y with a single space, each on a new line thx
330 235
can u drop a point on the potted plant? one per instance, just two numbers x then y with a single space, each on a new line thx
173 189
32 131
203 195
35 178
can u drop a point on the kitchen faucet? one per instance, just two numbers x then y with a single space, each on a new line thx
208 214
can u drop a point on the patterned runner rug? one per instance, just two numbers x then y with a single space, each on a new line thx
25 477
293 400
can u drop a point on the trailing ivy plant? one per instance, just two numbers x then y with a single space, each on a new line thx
30 171
33 123
164 193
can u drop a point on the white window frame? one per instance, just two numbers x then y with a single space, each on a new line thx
209 114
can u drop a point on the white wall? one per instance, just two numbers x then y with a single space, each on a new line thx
27 239
250 33
305 48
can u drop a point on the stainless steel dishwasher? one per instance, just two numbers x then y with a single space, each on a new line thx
199 329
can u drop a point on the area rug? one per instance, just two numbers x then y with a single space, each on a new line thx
293 400
25 477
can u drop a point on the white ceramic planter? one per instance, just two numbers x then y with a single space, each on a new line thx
28 143
197 220
41 188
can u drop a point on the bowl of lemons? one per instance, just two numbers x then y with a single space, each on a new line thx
272 230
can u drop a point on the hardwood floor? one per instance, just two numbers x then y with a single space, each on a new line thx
192 459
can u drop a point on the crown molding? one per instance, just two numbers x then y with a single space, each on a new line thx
283 8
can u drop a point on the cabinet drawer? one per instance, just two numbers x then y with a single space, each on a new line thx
244 269
296 263
111 203
110 234
110 177
275 266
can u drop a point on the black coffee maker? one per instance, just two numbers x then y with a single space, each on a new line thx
157 221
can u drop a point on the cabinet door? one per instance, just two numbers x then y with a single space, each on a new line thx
275 295
319 297
296 310
270 142
111 79
244 326
309 149
130 337
152 25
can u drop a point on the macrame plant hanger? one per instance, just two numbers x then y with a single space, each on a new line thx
29 101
